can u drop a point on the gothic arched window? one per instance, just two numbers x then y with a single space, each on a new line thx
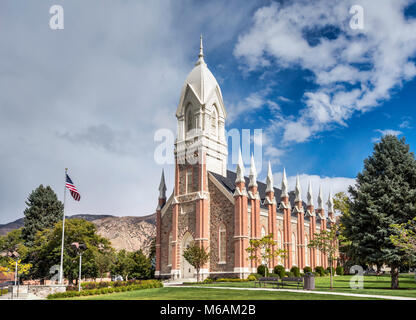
189 181
189 118
294 250
170 249
222 243
306 251
279 244
318 260
214 121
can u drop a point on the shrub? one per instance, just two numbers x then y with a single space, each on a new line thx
295 270
273 275
256 275
261 269
289 274
340 271
320 270
307 269
251 277
280 270
208 280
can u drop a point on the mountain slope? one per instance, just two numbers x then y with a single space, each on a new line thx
129 233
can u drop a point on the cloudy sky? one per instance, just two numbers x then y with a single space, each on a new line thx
90 97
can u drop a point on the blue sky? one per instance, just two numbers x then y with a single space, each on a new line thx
90 97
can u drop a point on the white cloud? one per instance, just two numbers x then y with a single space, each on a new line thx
354 71
386 132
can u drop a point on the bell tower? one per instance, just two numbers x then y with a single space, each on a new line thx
201 118
200 147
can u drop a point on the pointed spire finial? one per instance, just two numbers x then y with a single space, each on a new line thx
162 186
298 190
320 198
269 179
285 192
310 194
330 202
240 168
201 48
201 53
253 173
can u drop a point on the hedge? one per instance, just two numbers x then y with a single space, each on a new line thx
4 291
144 284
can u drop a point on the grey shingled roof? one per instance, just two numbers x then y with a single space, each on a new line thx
229 183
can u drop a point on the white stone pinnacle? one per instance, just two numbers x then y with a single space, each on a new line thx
240 168
284 185
253 173
269 180
320 198
298 190
162 186
310 194
330 203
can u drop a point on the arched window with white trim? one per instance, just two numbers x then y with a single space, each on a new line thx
294 250
214 121
189 118
263 250
222 243
189 181
279 245
170 249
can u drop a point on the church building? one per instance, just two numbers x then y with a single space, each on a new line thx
220 209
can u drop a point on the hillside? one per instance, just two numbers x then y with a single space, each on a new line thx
130 233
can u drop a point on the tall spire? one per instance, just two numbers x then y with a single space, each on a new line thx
201 53
284 185
298 190
320 198
269 180
330 203
240 168
253 173
310 194
162 186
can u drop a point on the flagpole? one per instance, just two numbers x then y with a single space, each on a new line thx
63 234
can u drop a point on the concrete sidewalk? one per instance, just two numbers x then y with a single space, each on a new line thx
310 292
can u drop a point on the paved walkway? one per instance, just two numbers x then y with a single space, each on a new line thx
310 292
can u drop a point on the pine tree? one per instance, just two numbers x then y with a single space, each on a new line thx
384 194
42 212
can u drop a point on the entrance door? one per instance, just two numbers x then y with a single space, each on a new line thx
187 271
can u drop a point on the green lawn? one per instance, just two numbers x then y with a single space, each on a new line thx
372 285
178 293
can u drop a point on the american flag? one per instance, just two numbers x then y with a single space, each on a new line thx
72 189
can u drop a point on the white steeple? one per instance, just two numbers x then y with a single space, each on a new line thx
298 190
330 203
201 118
162 186
310 194
240 168
284 185
253 173
269 180
320 198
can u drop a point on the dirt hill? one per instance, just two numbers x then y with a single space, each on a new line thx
130 233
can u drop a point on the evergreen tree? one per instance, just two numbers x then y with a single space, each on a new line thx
42 212
384 194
